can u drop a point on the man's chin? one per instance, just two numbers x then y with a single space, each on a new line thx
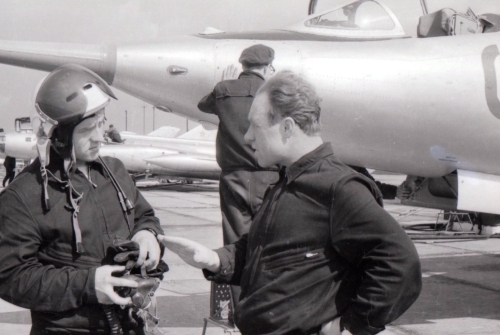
92 157
263 164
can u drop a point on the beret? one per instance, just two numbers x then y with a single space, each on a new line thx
258 54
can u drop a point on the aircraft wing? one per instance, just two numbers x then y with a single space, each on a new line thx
187 166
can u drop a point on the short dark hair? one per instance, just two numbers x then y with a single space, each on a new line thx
292 96
110 126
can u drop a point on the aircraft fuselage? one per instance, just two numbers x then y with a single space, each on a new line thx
422 107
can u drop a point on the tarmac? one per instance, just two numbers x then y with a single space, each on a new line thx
461 284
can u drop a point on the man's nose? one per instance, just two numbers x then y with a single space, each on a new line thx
98 135
248 136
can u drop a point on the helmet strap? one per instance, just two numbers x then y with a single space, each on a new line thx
43 172
74 218
74 200
43 150
126 204
43 145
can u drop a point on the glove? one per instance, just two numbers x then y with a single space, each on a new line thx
128 252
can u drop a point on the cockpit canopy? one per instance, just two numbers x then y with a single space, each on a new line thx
356 19
363 19
361 15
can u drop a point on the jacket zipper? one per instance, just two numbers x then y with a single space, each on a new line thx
267 223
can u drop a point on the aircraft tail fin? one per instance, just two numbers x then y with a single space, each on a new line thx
201 134
165 132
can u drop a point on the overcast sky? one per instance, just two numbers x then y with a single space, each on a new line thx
117 22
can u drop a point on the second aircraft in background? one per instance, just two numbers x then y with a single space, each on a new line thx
189 156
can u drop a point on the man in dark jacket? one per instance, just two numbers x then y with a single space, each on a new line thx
242 181
10 170
59 217
322 255
113 134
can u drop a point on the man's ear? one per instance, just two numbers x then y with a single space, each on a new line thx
288 127
265 70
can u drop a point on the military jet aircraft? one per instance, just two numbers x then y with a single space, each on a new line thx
187 157
425 107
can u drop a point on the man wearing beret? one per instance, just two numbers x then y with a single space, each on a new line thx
242 181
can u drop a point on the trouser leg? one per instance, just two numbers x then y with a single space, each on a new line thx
236 216
11 177
241 193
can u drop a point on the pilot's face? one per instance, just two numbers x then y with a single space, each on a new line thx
265 139
88 136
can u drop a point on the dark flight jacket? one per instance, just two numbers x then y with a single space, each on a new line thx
321 247
39 268
231 101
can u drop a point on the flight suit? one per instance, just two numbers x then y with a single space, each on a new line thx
39 268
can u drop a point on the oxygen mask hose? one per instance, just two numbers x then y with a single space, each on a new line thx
115 327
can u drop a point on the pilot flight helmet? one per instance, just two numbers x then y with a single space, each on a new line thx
68 95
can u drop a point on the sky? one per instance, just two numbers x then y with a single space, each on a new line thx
119 22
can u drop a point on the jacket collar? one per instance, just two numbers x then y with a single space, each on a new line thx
56 166
308 160
250 74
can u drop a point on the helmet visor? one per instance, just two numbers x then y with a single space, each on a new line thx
96 99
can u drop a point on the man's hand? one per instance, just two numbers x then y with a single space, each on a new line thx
105 283
149 252
231 72
333 328
193 253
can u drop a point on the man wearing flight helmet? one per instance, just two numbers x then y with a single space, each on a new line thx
59 218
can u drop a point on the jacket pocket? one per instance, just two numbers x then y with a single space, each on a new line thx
303 258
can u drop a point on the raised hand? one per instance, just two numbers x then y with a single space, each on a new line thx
191 252
231 72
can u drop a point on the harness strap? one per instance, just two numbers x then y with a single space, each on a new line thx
45 179
74 218
125 203
74 206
